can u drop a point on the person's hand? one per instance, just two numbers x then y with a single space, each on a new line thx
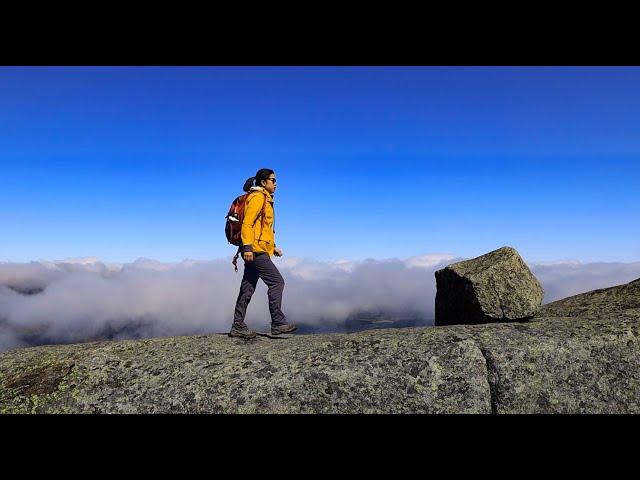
277 252
248 256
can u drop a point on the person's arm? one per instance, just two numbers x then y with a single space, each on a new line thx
251 211
276 251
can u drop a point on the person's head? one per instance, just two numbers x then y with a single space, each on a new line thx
265 177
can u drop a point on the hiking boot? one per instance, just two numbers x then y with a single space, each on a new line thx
242 333
280 329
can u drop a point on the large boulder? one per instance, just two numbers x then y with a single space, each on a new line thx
495 287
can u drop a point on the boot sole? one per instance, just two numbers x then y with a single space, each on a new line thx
285 332
245 337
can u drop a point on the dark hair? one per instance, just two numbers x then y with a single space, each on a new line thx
261 174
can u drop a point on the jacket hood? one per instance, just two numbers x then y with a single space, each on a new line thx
261 189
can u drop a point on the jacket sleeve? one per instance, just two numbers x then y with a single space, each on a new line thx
251 212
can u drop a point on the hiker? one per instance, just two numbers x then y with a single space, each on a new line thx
258 245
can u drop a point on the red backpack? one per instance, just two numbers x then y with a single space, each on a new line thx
233 226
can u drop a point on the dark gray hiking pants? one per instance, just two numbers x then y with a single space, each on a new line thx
261 267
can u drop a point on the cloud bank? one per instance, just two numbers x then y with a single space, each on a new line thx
79 300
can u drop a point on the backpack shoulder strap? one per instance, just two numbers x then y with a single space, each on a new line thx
264 205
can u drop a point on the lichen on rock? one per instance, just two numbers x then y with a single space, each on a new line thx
555 364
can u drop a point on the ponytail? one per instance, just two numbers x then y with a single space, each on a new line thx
248 184
262 174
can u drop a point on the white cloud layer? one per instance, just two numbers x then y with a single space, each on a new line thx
77 300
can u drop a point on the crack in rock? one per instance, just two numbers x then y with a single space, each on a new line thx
492 378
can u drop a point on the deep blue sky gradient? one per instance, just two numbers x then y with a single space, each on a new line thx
378 162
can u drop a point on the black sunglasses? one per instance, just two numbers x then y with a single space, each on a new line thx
272 179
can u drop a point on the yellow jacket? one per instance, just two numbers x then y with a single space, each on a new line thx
257 233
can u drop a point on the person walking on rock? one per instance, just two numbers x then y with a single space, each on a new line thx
258 245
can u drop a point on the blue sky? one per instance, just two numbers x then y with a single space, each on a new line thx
378 162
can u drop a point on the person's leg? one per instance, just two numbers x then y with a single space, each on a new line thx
247 287
270 275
